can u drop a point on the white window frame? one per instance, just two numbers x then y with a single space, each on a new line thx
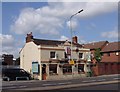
54 56
82 55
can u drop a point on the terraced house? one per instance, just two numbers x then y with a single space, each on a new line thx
50 59
110 62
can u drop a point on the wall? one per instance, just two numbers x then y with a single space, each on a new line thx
45 52
112 58
106 68
29 54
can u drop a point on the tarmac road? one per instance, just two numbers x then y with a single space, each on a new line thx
62 84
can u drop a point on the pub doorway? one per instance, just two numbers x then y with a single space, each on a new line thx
44 72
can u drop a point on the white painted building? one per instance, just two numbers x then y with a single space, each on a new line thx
48 59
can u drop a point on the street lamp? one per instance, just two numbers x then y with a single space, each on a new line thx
71 29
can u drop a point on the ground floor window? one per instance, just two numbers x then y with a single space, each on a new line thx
67 69
80 68
52 69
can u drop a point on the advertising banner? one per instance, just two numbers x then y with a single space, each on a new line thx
35 67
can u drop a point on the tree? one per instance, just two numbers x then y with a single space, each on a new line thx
98 55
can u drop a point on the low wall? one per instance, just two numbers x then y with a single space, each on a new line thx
65 76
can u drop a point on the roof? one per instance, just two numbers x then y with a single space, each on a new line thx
47 42
51 42
95 45
113 46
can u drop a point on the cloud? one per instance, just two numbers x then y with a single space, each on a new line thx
51 19
32 20
63 38
82 41
111 34
6 40
74 24
9 45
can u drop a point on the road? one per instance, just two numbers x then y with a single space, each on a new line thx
88 82
113 86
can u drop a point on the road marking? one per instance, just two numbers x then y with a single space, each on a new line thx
85 81
89 81
116 78
65 83
14 87
61 83
101 80
92 80
8 87
48 84
56 84
22 86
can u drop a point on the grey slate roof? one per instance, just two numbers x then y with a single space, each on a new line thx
51 42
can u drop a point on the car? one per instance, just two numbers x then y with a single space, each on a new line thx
15 74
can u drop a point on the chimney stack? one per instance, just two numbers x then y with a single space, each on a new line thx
29 37
75 39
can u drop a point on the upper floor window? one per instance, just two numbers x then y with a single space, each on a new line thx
117 53
80 55
52 54
108 54
65 55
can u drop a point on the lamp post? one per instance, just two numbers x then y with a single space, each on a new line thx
71 29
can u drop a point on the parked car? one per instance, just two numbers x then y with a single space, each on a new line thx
15 74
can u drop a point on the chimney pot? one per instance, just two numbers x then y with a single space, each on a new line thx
29 37
75 39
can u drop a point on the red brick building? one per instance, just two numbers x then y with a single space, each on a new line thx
110 63
7 59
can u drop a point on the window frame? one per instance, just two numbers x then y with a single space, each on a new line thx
53 69
81 68
67 69
51 54
80 56
108 54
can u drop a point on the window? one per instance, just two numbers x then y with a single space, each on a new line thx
67 69
65 55
80 55
108 54
52 54
117 53
52 69
80 68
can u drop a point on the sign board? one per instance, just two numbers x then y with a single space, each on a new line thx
68 50
35 67
71 62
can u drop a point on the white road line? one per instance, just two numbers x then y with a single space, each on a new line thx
69 82
89 81
85 81
101 80
116 78
65 83
48 84
14 87
8 87
22 86
61 83
92 80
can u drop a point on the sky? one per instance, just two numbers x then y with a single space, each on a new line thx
51 20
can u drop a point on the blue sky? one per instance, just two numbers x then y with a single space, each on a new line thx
98 22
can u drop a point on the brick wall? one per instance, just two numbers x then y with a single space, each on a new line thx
112 58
